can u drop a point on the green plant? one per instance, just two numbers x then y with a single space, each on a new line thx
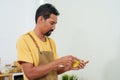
65 77
69 77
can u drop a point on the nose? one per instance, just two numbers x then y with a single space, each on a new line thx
53 27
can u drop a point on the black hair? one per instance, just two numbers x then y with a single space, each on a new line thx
46 10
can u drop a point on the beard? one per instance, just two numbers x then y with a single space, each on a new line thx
48 33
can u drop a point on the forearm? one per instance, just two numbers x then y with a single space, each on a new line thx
60 71
38 72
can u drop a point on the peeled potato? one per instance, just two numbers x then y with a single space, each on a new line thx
76 63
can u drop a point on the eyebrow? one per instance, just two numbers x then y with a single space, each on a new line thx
54 22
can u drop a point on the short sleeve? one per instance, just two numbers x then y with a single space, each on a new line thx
24 53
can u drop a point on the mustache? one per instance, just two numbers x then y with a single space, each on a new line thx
50 30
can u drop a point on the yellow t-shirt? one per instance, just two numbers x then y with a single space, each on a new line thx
27 50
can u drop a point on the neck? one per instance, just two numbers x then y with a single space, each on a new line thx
40 35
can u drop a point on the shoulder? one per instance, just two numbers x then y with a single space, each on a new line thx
23 37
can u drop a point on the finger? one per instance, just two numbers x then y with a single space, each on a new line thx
75 58
81 66
71 59
86 62
75 68
70 56
83 63
70 63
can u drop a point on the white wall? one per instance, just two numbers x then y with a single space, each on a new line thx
90 29
16 17
87 29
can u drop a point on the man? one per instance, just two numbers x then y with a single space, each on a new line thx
37 52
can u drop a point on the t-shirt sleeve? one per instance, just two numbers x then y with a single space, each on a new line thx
24 53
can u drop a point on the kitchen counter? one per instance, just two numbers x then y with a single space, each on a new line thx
9 75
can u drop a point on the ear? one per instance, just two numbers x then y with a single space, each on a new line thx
40 19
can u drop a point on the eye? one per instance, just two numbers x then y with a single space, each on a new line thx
52 23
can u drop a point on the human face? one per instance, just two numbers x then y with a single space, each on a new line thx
49 25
